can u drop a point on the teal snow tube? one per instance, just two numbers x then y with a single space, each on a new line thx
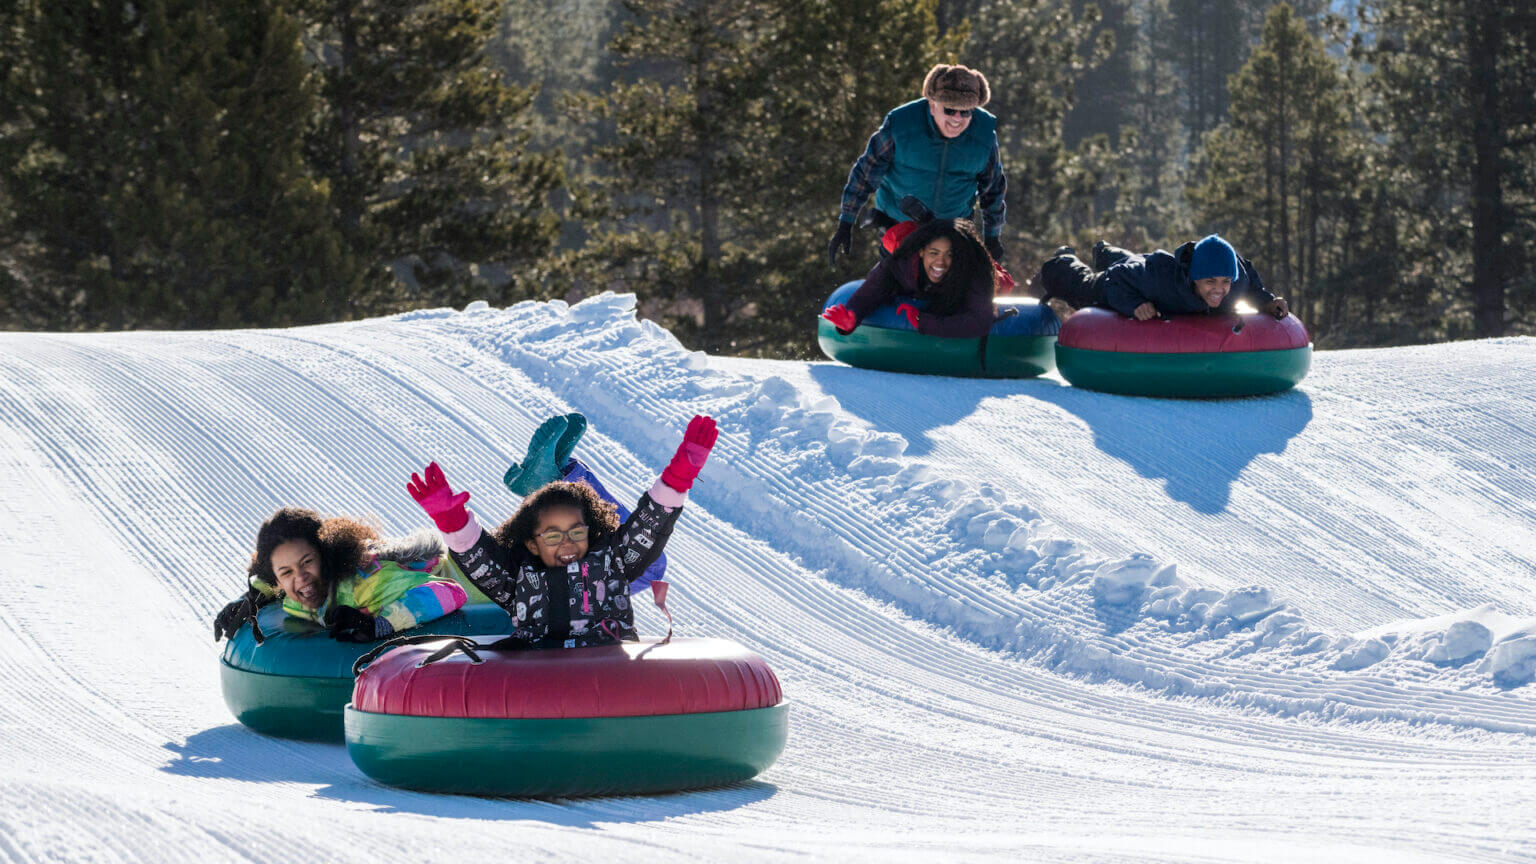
633 718
296 683
1021 343
1183 355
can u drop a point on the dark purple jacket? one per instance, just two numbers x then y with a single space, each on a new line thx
893 279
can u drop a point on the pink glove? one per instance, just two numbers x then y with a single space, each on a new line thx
910 311
841 318
435 497
690 455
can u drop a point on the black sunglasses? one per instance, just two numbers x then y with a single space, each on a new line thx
959 112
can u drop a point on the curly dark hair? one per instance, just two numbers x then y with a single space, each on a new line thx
969 262
342 542
602 517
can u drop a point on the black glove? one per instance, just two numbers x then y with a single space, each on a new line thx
227 623
913 208
842 240
348 624
994 248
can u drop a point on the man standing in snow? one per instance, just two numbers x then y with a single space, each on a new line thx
940 149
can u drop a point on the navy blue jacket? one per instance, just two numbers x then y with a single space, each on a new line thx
1163 280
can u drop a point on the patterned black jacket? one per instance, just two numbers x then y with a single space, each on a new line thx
596 587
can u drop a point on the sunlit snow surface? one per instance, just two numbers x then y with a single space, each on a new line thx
1014 618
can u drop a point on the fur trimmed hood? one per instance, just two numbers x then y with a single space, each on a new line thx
420 546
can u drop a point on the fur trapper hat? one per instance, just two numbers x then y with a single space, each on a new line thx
956 87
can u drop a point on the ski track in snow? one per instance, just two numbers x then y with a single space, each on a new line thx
1011 617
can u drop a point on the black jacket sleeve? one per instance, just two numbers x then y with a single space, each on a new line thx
493 568
640 539
1250 287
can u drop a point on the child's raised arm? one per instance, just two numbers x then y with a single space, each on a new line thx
640 539
488 564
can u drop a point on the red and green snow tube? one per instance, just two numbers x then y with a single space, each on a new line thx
1183 355
632 718
1020 344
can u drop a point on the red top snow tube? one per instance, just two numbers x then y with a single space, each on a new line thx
613 719
1183 355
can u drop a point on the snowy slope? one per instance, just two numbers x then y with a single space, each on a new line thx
1012 617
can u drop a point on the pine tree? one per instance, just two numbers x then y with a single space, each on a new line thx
1280 167
730 146
1455 80
152 163
1033 52
419 136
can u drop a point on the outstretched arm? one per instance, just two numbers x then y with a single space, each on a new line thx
992 191
488 564
428 601
641 538
867 172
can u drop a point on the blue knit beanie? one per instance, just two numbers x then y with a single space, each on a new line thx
1213 257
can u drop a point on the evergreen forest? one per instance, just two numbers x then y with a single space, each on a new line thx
175 164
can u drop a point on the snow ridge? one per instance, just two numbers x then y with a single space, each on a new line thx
816 479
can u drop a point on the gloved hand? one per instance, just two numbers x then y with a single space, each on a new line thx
841 317
910 311
437 498
691 454
1278 307
841 241
349 624
1005 283
994 248
227 623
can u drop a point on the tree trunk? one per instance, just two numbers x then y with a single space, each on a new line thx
349 204
1487 198
706 286
1287 273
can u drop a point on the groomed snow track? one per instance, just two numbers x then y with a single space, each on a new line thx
1014 619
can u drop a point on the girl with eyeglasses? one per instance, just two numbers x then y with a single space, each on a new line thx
563 564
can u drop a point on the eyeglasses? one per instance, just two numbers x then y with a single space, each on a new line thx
555 538
959 112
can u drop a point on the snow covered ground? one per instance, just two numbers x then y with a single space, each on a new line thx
1013 618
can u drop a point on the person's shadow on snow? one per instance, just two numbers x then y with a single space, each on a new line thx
233 752
878 399
1198 446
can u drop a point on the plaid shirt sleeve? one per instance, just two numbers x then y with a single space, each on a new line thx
867 173
993 188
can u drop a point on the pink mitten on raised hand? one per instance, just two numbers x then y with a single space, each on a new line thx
691 454
436 497
841 317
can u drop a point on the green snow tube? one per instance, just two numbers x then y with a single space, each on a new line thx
1020 345
633 718
296 683
1183 355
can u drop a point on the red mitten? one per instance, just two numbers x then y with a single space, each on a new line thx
910 311
1005 283
691 454
841 318
436 497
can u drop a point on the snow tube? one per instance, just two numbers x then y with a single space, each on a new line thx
1184 355
296 683
1020 345
636 717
